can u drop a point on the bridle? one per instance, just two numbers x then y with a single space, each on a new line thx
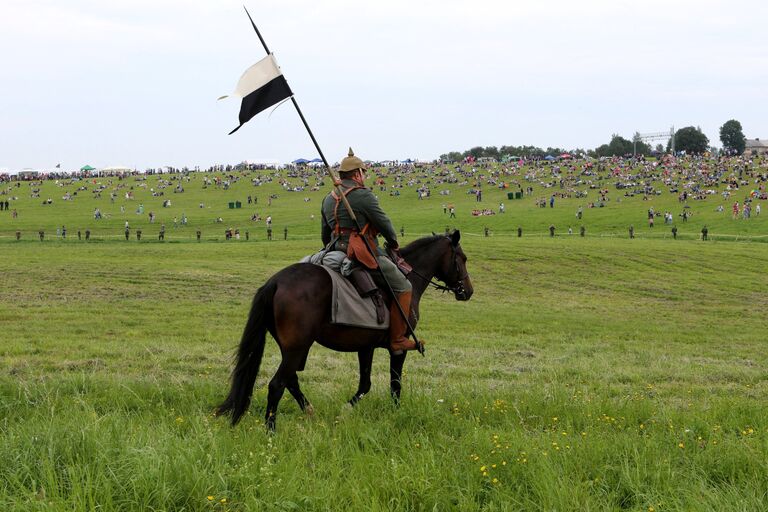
458 289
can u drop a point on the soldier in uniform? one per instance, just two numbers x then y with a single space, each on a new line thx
340 233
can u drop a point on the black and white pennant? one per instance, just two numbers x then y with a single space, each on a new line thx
261 86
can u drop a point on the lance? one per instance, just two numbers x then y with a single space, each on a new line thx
337 185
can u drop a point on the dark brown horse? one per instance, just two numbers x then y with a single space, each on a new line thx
295 307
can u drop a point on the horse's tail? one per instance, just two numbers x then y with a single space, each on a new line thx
249 353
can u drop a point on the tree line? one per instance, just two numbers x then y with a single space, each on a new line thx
689 139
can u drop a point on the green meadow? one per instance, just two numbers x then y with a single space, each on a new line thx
595 373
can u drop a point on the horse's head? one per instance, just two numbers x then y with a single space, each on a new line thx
452 269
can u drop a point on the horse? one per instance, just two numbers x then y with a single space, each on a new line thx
294 306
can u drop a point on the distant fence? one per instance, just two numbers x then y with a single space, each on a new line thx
278 236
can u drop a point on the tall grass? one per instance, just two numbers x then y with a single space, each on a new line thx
585 374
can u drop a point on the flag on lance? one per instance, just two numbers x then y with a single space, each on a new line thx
261 86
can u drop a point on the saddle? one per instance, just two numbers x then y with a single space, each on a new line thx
357 300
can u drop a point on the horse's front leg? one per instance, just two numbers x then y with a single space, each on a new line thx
395 375
365 358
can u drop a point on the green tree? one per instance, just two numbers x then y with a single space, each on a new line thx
619 146
476 152
639 147
691 140
732 137
453 156
491 152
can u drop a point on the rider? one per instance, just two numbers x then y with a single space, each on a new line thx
340 233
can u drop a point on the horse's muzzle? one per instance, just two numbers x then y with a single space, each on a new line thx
462 293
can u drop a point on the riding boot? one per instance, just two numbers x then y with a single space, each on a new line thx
398 326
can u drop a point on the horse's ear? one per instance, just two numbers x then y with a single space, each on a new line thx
434 234
455 237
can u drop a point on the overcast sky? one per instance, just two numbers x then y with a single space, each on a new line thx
135 83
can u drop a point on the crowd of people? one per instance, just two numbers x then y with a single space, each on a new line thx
740 180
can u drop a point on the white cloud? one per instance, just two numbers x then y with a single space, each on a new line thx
83 77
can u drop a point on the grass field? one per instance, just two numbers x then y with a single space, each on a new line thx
595 373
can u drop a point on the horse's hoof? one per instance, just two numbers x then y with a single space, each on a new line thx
355 399
309 410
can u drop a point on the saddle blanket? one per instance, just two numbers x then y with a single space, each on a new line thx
348 308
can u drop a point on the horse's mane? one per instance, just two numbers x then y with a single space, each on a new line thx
421 243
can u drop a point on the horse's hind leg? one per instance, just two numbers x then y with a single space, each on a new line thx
295 390
284 375
365 357
395 375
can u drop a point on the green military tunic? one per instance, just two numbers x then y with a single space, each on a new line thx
367 210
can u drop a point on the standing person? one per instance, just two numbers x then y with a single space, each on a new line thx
674 232
501 207
198 233
552 201
127 232
519 232
87 234
285 233
650 222
704 232
579 212
64 232
269 233
552 229
41 233
161 235
582 231
340 232
631 231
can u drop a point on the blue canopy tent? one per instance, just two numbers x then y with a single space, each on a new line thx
549 157
316 161
300 161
